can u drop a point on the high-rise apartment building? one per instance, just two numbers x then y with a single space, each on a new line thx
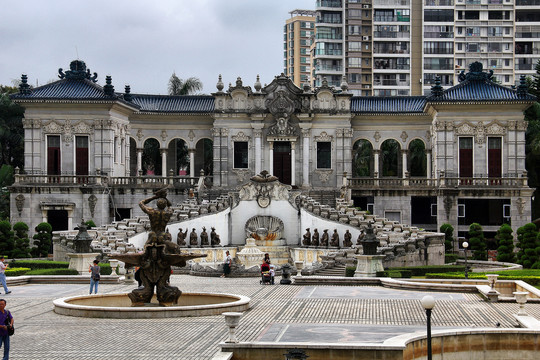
297 38
398 47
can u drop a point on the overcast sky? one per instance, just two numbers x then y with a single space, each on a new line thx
141 43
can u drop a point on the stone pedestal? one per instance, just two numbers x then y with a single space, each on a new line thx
81 262
368 265
250 254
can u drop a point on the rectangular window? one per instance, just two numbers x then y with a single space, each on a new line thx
240 155
53 155
324 155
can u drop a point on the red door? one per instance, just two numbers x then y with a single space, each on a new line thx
53 157
494 160
282 161
465 160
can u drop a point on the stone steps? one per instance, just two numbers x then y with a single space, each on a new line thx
337 270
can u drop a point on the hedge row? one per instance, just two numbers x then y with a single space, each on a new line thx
532 280
17 271
450 258
53 272
404 274
39 264
423 270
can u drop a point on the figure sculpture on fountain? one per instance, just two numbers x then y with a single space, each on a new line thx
315 238
324 238
306 241
193 238
347 243
335 239
204 238
181 237
214 238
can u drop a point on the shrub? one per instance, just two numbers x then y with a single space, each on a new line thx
42 239
450 258
90 224
17 271
53 272
349 271
527 243
477 242
448 231
22 243
105 269
506 275
7 238
39 264
505 243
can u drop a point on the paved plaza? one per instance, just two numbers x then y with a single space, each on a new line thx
279 313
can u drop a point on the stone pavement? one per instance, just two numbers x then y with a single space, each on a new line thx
315 314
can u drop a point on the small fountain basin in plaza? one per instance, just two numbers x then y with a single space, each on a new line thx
118 306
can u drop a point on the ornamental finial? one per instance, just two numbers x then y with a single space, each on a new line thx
108 89
24 88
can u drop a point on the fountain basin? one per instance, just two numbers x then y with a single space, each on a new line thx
118 306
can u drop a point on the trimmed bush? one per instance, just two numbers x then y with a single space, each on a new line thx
105 269
53 272
505 243
17 271
349 271
477 242
448 231
528 243
423 270
39 264
42 240
506 275
450 258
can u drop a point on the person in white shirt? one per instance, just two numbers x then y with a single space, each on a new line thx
3 268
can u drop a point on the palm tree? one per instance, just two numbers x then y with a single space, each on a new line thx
188 86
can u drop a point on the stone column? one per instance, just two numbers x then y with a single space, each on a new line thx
139 160
271 157
428 164
404 163
293 163
163 162
376 163
191 153
258 152
305 158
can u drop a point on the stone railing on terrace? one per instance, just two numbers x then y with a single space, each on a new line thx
395 239
444 180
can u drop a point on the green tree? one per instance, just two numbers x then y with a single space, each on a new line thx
528 245
362 153
22 242
90 224
532 141
448 231
11 132
390 157
505 243
7 239
188 86
6 179
477 242
42 239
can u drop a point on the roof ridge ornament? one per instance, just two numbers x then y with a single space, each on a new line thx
437 90
476 73
127 95
108 89
522 88
78 71
24 87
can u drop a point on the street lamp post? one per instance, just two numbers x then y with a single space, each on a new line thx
465 246
428 302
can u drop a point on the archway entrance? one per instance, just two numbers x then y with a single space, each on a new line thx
282 161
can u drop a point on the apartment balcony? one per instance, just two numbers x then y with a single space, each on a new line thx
527 3
527 35
525 66
322 53
391 35
438 35
391 82
333 4
379 18
438 3
380 52
329 69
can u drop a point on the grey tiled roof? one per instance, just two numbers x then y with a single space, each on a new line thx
387 105
175 104
67 89
471 91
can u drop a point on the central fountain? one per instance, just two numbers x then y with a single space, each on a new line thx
155 262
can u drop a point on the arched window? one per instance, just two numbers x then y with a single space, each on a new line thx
178 157
132 157
390 157
204 157
417 158
362 158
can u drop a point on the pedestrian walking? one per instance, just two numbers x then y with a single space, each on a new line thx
3 267
6 320
95 276
227 264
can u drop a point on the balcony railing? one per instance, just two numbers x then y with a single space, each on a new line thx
391 34
527 2
444 181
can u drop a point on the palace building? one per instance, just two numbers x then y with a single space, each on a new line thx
455 156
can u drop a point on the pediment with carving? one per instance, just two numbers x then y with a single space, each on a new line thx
264 188
465 128
495 128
